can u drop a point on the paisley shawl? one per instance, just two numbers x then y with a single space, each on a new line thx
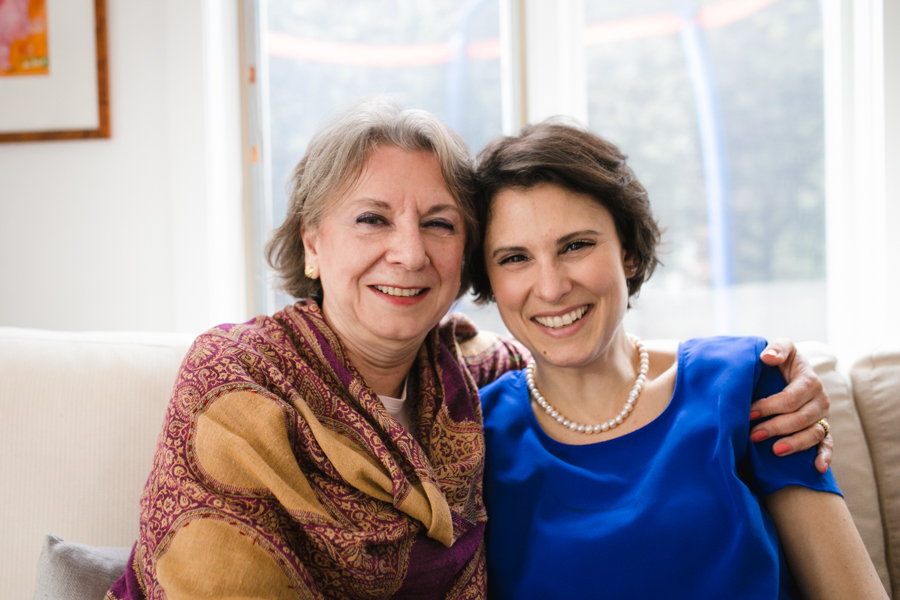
278 472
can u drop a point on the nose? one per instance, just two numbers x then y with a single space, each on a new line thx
407 248
552 282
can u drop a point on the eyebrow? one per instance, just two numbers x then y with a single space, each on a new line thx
374 202
577 234
563 240
442 207
371 202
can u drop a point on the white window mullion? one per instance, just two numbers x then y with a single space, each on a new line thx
512 65
862 220
258 161
554 54
891 68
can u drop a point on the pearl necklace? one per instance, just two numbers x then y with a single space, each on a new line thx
600 427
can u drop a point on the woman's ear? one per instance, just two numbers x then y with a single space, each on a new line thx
630 263
310 253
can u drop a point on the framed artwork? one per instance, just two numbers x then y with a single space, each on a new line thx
53 72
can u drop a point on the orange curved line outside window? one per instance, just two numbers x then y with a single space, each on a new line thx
711 16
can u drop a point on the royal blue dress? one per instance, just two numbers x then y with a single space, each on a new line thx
671 510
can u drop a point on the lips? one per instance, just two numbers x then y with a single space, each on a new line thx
399 292
562 320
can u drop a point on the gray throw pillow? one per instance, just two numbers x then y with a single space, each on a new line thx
69 571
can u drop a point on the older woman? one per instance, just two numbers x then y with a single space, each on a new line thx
335 449
614 470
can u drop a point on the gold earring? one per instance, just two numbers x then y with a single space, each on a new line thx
309 272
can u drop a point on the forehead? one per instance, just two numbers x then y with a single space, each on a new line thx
545 207
393 174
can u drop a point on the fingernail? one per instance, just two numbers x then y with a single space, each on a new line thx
759 436
780 449
754 415
770 352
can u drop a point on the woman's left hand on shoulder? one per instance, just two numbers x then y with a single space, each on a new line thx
797 409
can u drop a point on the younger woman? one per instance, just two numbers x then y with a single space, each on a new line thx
612 470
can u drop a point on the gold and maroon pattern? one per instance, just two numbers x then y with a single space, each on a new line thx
275 457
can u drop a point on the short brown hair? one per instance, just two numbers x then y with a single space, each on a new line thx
334 161
575 159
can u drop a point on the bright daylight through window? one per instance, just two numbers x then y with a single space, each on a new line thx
718 104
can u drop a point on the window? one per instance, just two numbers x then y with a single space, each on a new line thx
719 105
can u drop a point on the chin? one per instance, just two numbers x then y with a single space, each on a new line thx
564 358
401 332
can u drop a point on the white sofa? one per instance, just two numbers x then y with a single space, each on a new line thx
81 412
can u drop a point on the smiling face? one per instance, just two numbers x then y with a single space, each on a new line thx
558 272
389 253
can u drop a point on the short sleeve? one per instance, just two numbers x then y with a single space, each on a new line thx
770 473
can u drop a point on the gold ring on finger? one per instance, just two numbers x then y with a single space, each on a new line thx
825 425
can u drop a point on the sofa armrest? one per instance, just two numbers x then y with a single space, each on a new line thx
81 415
876 389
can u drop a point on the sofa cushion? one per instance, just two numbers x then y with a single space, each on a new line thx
68 571
876 387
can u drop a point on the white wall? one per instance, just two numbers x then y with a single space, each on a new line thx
892 159
142 231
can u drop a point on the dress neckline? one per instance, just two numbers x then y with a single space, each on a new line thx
663 419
